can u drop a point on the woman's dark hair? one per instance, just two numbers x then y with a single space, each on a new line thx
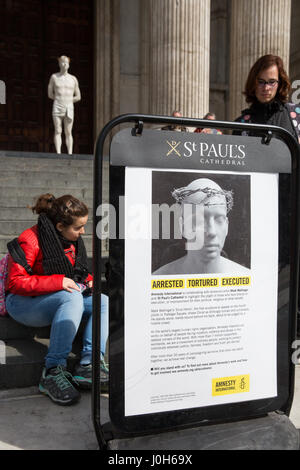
63 209
208 115
284 85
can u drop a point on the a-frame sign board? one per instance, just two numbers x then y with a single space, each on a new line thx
202 280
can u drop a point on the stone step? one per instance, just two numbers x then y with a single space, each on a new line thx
49 174
30 194
47 164
11 170
13 196
63 182
10 329
85 173
44 160
24 361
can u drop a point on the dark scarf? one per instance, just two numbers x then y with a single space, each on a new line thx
55 260
273 114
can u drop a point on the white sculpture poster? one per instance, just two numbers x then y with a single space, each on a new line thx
201 262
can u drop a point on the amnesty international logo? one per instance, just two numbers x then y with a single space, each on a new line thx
243 384
228 385
173 148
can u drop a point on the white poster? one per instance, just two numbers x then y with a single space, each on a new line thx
201 262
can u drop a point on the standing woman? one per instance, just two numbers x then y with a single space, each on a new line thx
267 91
58 293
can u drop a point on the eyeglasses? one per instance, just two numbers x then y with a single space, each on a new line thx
262 83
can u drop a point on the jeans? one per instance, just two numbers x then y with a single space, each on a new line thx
63 311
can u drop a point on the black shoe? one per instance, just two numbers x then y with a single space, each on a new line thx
83 376
104 376
58 387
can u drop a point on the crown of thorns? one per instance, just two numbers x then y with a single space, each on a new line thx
180 194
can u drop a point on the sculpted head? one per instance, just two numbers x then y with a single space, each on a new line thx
204 222
64 62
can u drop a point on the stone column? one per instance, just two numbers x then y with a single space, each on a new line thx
258 27
106 77
175 56
295 41
107 62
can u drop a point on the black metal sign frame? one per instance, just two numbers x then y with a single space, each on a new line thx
136 425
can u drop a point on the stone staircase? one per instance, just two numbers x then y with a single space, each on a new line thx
23 177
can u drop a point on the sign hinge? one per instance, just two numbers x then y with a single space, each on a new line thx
267 138
138 129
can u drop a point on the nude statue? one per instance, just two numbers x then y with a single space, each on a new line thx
63 88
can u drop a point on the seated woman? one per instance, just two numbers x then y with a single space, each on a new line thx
58 294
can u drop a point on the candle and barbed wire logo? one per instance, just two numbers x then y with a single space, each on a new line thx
2 352
2 92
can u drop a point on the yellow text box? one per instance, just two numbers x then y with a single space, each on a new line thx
229 385
167 283
235 281
195 283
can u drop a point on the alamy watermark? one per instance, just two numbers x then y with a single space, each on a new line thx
163 221
2 353
2 92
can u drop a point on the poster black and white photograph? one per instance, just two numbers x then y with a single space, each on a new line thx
207 287
201 223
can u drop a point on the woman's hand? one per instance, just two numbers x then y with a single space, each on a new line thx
69 285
